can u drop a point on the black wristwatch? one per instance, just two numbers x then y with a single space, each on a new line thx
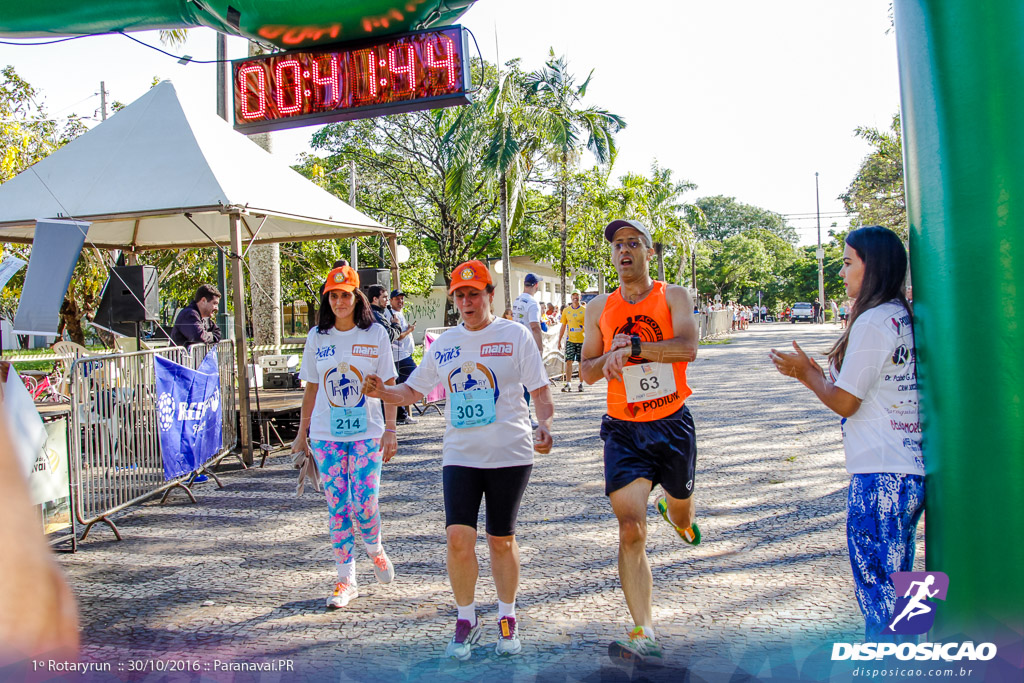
634 341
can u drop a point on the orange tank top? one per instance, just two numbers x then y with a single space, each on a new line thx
651 395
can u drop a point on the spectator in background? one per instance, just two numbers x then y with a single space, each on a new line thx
835 310
402 349
526 311
507 315
378 297
817 310
886 496
195 323
842 316
550 315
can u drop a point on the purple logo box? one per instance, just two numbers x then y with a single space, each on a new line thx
916 592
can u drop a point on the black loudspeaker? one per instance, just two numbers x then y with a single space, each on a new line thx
374 276
131 295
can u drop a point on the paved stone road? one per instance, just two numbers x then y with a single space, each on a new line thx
242 576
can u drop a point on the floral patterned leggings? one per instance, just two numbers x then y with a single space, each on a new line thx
350 472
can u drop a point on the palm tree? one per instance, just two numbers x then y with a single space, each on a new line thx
563 122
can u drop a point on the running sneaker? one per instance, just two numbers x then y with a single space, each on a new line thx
566 389
690 534
580 388
344 591
382 567
508 637
636 648
466 636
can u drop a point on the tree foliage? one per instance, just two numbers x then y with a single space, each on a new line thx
876 197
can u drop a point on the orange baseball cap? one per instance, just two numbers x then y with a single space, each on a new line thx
343 278
470 274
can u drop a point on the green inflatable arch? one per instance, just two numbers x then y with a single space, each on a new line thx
962 85
284 24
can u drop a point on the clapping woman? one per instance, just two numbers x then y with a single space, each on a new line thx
872 384
346 433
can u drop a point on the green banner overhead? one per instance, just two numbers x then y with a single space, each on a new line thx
284 24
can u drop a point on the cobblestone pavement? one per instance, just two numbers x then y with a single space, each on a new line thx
242 575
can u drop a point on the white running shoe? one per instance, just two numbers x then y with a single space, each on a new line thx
461 645
382 567
508 637
344 592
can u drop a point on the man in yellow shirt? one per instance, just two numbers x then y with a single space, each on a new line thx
572 320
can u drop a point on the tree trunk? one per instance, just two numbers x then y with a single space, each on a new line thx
311 313
71 316
659 250
506 265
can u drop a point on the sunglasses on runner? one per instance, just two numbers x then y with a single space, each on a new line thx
632 244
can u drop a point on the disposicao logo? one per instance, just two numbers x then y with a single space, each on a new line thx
913 615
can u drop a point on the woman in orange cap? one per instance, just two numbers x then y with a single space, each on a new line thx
346 433
488 450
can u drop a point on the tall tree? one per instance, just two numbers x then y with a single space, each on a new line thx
509 153
725 217
405 163
875 197
27 135
564 123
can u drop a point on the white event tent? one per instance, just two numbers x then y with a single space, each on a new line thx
158 175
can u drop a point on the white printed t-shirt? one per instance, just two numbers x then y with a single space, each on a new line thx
526 310
880 368
502 357
338 362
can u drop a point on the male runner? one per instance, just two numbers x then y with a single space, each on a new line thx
641 337
572 320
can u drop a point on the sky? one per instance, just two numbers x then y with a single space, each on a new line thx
744 98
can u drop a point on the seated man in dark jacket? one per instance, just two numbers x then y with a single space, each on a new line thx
195 323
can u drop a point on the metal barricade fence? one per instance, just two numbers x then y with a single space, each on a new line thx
115 447
229 397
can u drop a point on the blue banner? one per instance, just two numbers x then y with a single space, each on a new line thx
188 414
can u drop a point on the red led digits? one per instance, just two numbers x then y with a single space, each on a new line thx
406 66
409 72
260 91
329 92
363 74
447 48
288 87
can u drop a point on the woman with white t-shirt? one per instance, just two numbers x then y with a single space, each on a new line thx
488 448
346 434
872 384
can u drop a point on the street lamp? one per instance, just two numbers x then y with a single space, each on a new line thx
820 253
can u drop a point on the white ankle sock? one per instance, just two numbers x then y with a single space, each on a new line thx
347 571
468 612
506 609
373 549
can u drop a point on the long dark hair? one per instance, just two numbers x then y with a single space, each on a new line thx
885 271
361 314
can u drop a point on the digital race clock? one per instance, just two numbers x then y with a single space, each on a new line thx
407 72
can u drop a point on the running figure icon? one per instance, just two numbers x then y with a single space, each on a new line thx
917 605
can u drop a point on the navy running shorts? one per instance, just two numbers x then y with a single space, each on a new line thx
664 451
502 487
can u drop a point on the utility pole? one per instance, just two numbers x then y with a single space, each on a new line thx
353 255
820 253
102 100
